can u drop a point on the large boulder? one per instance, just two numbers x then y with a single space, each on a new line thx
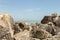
56 21
16 29
54 18
46 19
24 35
41 34
56 37
6 21
24 26
49 27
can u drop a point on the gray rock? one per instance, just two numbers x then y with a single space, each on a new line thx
49 27
56 21
41 34
55 37
46 19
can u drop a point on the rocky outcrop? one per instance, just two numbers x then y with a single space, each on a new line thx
46 19
54 18
41 34
48 29
24 26
56 37
6 22
22 35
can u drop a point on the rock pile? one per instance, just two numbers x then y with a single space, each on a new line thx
48 29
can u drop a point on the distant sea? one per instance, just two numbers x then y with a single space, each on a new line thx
30 21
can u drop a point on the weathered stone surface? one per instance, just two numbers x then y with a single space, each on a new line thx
7 21
34 39
46 19
56 37
16 29
25 35
24 26
49 27
56 21
41 34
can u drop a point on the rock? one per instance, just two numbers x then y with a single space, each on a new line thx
57 30
46 19
48 39
56 21
49 27
41 34
25 35
54 14
34 39
24 26
16 29
56 37
7 21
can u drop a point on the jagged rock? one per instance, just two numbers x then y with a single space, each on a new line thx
41 34
46 19
16 29
7 21
56 21
55 37
57 30
34 39
49 27
54 14
24 35
24 26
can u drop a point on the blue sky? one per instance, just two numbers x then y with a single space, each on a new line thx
29 9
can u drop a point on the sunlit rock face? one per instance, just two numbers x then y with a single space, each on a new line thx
4 19
24 35
7 21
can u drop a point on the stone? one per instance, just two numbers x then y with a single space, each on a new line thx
34 39
41 34
55 37
46 19
16 29
49 27
7 21
54 14
56 21
24 26
24 35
